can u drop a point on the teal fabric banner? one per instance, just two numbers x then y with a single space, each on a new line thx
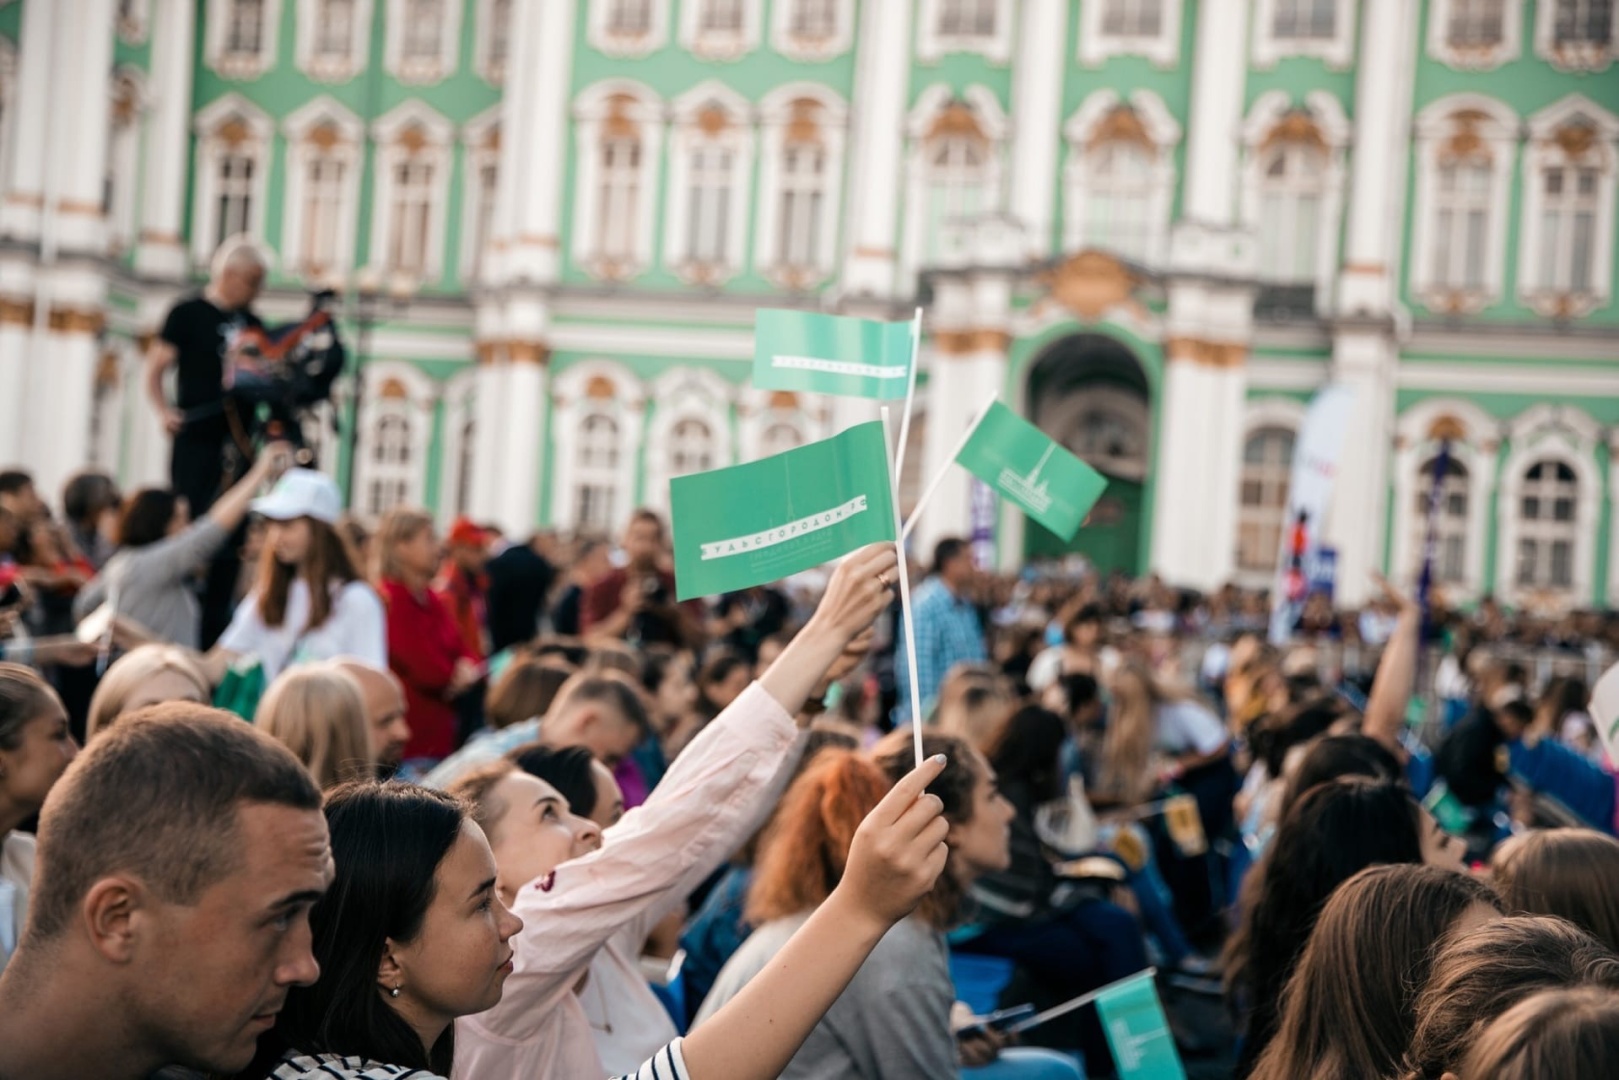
755 523
1133 1020
831 354
1042 478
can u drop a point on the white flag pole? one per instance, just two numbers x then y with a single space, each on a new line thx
910 398
905 612
944 470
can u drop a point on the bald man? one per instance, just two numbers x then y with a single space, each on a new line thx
384 712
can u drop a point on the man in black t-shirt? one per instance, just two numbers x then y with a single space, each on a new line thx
194 340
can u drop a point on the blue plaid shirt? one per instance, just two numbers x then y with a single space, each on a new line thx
947 633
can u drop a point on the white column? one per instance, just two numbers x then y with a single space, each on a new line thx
16 319
534 139
878 119
1037 131
23 204
523 441
488 397
1177 533
1219 74
58 431
160 252
78 161
1364 360
1383 95
961 385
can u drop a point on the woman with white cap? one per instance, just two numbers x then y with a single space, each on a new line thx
309 600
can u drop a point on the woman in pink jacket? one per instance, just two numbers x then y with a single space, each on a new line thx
587 898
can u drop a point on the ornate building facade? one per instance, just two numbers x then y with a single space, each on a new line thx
1155 227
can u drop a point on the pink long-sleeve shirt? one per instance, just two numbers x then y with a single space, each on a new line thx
716 794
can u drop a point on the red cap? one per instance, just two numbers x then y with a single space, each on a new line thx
464 533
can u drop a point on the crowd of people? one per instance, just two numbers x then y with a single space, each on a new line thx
364 800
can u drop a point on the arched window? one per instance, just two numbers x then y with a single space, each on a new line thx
800 173
778 438
1118 195
1582 22
618 134
1267 464
629 18
232 166
956 177
803 201
1466 144
691 448
322 189
244 27
1571 169
812 19
423 39
1451 518
1292 179
494 39
710 170
709 203
621 196
1304 19
412 192
967 18
392 463
239 36
596 483
1548 526
1120 176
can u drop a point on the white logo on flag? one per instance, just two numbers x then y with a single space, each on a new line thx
1036 493
720 549
840 367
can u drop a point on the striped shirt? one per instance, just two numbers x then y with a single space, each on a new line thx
666 1064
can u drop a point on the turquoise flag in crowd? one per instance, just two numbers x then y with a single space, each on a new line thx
831 354
1016 458
1134 1023
755 523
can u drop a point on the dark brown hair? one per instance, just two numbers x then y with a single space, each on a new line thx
156 796
1348 1005
955 786
1481 975
525 691
146 517
1571 873
329 559
1553 1035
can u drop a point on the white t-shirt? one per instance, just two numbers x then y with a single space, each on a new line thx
16 876
1185 726
356 629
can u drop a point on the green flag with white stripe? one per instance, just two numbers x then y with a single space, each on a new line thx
831 354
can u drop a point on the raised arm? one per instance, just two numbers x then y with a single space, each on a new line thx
1396 677
897 855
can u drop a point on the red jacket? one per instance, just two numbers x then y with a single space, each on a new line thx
464 596
423 645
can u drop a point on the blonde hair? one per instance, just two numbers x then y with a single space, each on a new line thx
398 525
318 713
1127 744
126 676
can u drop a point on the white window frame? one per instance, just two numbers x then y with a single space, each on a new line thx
136 24
211 148
812 50
1475 447
298 127
329 69
1079 133
593 110
1567 434
490 68
1328 115
932 45
124 159
685 141
685 393
480 142
1260 413
1474 59
233 65
1496 126
1583 57
714 45
1543 151
418 72
1337 52
776 115
599 34
1096 44
992 124
390 154
416 408
571 403
459 413
758 411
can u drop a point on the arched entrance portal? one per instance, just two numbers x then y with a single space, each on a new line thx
1090 393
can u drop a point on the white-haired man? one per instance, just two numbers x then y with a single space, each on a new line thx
195 338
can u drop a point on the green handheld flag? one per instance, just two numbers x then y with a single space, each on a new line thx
831 354
1017 459
749 524
1136 1030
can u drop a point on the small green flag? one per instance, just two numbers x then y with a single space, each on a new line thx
831 354
1018 460
762 521
1133 1020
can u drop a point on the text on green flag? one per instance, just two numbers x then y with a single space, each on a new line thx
754 523
830 354
1018 460
1133 1020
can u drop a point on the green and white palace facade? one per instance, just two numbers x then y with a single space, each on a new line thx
1155 227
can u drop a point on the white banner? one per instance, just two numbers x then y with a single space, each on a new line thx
1309 492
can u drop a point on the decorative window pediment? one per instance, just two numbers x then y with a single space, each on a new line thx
240 38
1577 35
1120 176
232 174
710 166
803 127
423 40
719 29
812 30
1570 169
628 28
332 38
324 148
412 193
619 138
1466 145
1475 35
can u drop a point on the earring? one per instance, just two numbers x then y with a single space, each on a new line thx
394 992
